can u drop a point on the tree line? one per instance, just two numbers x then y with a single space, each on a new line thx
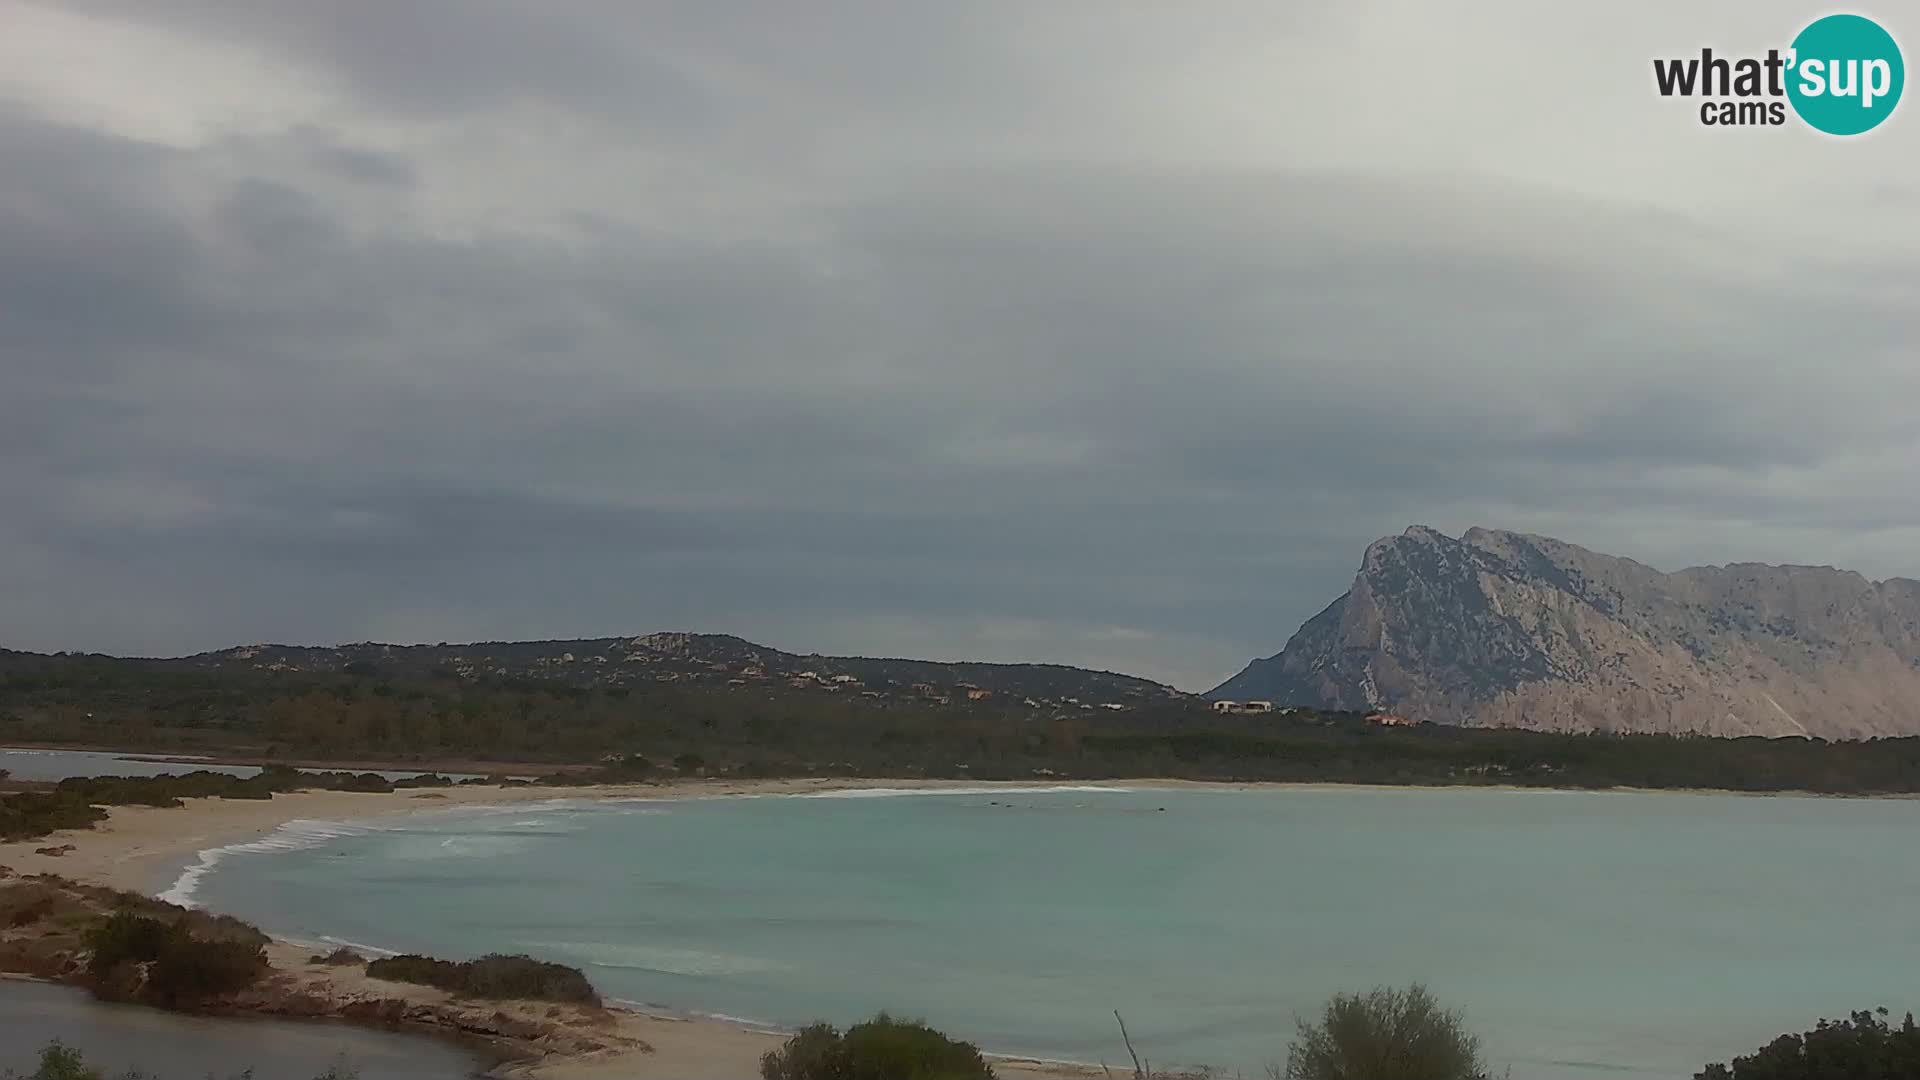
762 731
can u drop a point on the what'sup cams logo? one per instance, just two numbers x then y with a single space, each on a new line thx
1842 75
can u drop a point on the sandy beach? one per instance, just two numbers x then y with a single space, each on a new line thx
143 849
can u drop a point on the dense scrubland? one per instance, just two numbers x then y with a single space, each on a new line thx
79 802
760 731
124 946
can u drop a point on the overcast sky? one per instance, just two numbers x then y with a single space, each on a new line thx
1099 333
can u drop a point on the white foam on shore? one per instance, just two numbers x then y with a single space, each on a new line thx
293 836
638 956
364 950
1024 789
744 1023
305 833
758 1027
326 943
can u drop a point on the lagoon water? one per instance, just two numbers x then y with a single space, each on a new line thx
21 763
1586 935
125 1039
56 765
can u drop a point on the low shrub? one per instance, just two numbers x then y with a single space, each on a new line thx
417 969
1387 1034
125 938
573 778
123 945
144 958
491 976
497 976
252 788
38 957
424 780
340 957
190 970
211 927
880 1049
28 815
26 902
366 781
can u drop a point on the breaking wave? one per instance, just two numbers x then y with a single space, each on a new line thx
1029 789
670 961
292 836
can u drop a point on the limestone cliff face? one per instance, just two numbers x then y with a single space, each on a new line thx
1500 628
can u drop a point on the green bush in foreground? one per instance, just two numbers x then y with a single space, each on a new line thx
1863 1047
58 1062
880 1049
1386 1034
492 976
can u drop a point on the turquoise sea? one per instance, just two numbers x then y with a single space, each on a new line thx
1588 936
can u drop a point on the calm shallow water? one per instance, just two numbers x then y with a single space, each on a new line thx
57 765
1586 935
168 1046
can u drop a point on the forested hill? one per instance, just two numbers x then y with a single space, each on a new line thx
672 716
710 659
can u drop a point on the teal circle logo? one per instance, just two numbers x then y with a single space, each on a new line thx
1845 75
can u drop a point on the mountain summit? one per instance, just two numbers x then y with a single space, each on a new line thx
1508 629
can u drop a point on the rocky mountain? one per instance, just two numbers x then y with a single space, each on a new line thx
1507 629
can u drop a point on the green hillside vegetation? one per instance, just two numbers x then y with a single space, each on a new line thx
760 731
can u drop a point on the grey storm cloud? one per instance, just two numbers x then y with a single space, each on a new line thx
892 329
